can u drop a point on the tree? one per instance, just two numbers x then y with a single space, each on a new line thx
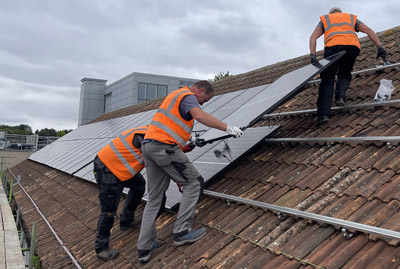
22 129
221 76
47 132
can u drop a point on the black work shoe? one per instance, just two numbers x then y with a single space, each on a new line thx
128 227
144 255
340 102
321 120
107 254
190 237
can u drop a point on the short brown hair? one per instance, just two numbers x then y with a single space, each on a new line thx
206 85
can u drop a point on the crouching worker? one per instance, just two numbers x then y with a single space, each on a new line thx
117 166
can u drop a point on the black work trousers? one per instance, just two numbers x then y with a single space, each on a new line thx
110 191
342 68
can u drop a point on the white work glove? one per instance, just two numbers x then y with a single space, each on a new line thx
192 140
233 130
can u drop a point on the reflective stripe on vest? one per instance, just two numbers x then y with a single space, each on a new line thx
186 126
130 167
340 33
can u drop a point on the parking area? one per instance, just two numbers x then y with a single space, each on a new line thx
9 158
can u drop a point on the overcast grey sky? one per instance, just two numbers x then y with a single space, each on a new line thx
48 46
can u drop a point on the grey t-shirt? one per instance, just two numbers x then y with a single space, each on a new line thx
358 22
188 102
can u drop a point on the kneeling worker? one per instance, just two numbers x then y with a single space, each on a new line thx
117 166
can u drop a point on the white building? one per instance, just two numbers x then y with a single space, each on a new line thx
98 98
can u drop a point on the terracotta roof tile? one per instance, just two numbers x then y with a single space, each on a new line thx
317 177
297 174
230 254
292 198
375 255
389 191
255 258
367 184
388 161
343 208
283 262
337 245
303 243
374 212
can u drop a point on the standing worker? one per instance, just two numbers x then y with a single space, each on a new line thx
117 166
167 135
339 31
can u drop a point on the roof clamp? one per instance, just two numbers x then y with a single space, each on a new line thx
347 234
329 144
390 145
281 216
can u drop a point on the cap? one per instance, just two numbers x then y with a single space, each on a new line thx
334 9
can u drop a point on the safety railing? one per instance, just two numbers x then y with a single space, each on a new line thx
27 242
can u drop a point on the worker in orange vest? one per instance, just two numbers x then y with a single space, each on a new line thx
117 166
339 31
162 147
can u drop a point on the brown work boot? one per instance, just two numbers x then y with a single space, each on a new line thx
107 254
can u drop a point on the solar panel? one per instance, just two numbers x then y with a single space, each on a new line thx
210 166
74 152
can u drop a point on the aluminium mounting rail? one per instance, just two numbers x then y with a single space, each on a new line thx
379 232
377 68
336 108
360 139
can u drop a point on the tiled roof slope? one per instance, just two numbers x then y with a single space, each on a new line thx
357 182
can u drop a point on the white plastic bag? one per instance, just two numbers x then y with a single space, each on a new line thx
385 90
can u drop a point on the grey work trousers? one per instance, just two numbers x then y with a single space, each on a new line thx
165 162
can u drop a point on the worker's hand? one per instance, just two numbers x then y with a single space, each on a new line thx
381 53
233 130
313 58
188 148
192 140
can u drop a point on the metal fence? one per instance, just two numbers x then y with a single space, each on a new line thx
24 142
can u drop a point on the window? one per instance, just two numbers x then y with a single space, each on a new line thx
147 92
107 100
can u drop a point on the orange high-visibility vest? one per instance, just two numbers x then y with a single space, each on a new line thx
121 157
340 29
167 125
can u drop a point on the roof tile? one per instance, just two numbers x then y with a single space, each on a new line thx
389 191
230 254
326 254
303 243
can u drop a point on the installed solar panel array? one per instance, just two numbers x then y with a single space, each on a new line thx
74 152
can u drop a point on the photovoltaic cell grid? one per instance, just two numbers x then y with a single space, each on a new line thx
74 152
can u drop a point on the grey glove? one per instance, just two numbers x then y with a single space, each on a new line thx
381 53
313 58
